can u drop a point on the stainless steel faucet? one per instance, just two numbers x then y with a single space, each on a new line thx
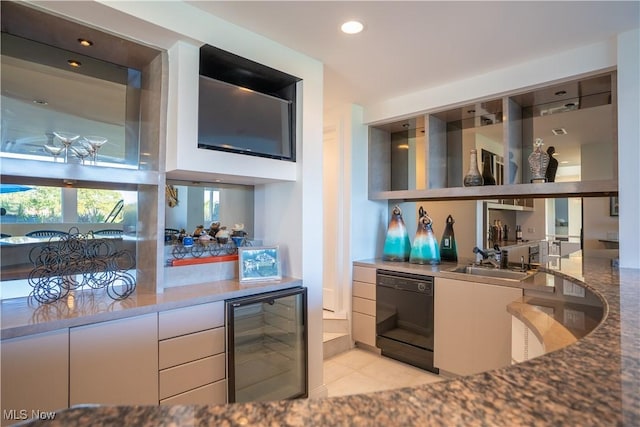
488 257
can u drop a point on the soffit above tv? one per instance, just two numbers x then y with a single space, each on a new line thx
228 67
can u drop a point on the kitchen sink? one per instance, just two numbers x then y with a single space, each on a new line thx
493 272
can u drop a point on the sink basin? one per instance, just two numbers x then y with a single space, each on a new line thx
492 272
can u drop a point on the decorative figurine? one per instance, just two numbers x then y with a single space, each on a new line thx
553 165
397 246
214 228
222 235
425 248
538 162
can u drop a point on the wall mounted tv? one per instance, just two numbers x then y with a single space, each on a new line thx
245 107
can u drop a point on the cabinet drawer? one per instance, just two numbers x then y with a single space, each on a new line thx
364 306
182 321
364 290
191 375
364 329
210 394
364 274
187 348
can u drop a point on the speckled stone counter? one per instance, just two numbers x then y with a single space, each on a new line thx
593 382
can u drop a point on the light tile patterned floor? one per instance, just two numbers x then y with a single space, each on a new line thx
360 371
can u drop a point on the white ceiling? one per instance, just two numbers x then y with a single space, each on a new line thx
410 45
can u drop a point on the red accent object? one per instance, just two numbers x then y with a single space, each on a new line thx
203 260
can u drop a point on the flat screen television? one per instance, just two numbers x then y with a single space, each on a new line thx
240 120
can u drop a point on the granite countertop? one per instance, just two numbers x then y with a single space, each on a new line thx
593 382
540 282
19 317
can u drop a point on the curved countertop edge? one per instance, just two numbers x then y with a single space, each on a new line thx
552 334
592 382
20 318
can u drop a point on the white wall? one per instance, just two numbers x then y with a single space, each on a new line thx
356 229
628 147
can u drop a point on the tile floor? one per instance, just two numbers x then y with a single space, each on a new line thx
361 371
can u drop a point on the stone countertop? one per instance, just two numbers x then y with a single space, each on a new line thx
541 282
593 382
21 317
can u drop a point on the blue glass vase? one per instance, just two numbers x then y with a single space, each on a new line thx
397 246
425 249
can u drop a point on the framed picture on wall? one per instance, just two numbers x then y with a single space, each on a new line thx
613 206
260 263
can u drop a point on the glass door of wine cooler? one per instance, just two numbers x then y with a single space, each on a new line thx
267 342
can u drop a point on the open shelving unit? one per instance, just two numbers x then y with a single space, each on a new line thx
425 157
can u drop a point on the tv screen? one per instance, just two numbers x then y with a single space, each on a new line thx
236 119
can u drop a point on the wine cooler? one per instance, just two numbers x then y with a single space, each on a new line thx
267 342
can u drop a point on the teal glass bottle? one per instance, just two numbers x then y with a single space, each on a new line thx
425 249
397 246
448 249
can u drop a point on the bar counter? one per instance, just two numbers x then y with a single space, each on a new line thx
593 382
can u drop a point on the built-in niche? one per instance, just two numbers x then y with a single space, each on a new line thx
201 203
245 107
83 91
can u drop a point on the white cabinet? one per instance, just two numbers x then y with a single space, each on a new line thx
364 305
192 359
472 326
35 375
115 362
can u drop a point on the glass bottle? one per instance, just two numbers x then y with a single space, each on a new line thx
448 249
487 176
397 246
473 177
425 248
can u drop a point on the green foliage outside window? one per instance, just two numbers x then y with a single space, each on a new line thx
44 205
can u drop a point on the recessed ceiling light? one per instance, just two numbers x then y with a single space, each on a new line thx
74 63
85 42
559 131
352 27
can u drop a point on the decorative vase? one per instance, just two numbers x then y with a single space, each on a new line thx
487 176
448 249
397 246
425 248
538 162
473 177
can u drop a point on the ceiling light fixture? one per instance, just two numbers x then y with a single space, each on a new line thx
352 27
559 131
85 42
74 63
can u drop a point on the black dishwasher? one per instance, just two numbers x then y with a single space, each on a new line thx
267 346
404 317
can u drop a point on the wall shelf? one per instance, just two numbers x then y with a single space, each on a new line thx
520 191
427 156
